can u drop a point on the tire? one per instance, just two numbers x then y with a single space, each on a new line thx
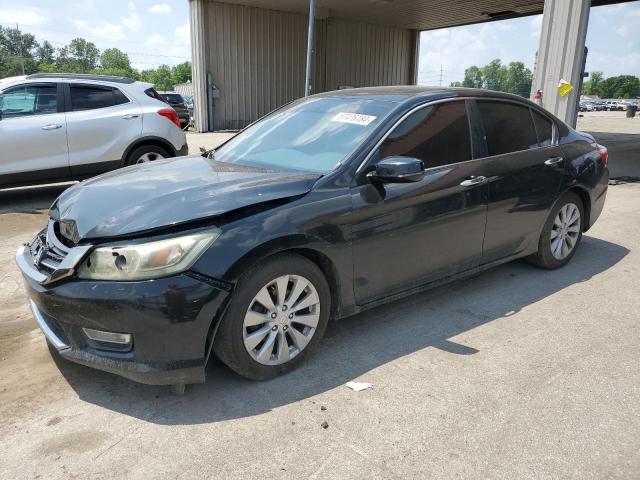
545 256
229 343
148 151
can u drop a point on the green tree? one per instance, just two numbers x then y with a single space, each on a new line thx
456 84
79 56
623 86
494 75
518 79
181 73
160 77
115 62
473 78
17 52
594 85
45 53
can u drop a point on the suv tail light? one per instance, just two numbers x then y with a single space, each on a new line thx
171 114
603 152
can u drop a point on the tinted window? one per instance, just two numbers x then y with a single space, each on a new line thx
437 135
172 98
544 127
85 97
29 100
508 127
119 97
151 92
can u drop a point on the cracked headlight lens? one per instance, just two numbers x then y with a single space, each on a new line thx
146 260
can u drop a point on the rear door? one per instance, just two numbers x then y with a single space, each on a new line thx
526 168
407 235
33 133
102 122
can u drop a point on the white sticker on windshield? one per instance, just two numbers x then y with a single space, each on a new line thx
354 118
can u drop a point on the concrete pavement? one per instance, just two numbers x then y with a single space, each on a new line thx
516 373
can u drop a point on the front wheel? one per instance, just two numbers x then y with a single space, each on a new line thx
277 315
561 234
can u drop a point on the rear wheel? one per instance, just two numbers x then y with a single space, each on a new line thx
147 153
277 315
561 234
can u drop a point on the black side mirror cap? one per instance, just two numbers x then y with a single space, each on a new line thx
397 170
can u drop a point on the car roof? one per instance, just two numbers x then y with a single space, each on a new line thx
406 92
81 76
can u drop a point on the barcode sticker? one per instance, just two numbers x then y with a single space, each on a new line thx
353 118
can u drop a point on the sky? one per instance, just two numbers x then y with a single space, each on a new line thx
156 32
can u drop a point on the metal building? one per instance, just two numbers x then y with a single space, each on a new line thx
249 56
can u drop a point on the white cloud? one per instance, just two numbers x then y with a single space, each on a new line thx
22 16
155 40
182 34
131 21
160 8
105 30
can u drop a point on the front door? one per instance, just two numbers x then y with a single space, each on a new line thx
526 168
33 134
407 235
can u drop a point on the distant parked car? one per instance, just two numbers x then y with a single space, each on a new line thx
58 127
179 105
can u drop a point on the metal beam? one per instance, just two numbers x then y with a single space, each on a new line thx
561 55
312 20
197 19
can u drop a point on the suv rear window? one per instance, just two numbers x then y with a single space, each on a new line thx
151 92
91 97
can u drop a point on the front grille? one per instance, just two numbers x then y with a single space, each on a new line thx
47 251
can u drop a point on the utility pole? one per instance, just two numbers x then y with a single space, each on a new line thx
309 70
440 74
21 46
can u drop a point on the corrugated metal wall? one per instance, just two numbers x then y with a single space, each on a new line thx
363 55
257 58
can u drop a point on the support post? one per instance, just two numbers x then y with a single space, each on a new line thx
312 20
561 55
197 20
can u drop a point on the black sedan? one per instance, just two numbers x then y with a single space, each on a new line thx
330 205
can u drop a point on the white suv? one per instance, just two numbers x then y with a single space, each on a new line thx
56 127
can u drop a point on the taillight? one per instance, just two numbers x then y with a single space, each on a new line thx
171 114
603 152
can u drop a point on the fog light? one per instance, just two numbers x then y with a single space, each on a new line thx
108 337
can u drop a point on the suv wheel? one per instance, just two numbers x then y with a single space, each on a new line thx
277 315
147 153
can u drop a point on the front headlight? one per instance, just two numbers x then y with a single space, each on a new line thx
146 260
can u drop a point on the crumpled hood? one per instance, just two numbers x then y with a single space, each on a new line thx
169 192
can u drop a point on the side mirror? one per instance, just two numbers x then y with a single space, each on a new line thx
398 170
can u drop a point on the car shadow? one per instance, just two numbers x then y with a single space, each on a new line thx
353 346
30 199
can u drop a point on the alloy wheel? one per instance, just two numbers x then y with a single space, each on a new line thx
281 320
565 231
149 157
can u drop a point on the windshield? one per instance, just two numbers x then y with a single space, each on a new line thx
313 135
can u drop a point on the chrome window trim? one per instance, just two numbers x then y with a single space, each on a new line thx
447 100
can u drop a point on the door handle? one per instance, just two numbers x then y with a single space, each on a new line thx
554 161
470 182
129 116
52 126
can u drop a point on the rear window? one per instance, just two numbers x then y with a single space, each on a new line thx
508 127
172 98
151 92
91 97
544 127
